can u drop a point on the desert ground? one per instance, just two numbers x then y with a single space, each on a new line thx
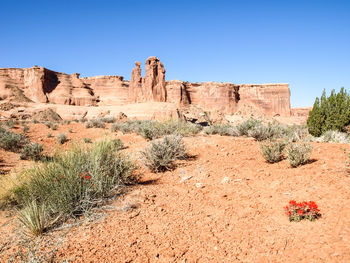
224 204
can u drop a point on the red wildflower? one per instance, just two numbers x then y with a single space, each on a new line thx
300 212
87 177
292 202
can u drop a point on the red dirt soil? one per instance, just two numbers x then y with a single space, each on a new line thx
223 205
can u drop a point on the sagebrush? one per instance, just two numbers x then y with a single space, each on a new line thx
162 153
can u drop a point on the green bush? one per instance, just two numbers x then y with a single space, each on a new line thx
11 141
163 152
329 113
272 150
32 151
75 180
298 153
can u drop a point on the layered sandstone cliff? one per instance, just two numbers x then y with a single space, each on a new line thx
39 84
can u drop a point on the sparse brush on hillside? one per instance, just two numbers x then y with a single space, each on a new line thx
11 141
162 153
95 123
221 129
74 181
32 151
298 153
108 119
263 132
273 150
61 138
153 129
52 126
244 127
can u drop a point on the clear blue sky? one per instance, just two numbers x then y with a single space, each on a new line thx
304 43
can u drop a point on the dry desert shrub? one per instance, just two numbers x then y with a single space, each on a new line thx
71 183
32 151
244 127
162 153
153 129
334 136
61 138
272 150
298 153
11 141
221 129
95 123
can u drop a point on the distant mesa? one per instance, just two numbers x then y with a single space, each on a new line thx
41 85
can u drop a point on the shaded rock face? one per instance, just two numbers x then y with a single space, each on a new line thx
39 84
136 92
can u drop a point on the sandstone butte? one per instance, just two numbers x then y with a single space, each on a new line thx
43 86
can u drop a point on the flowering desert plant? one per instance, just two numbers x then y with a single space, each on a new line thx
304 210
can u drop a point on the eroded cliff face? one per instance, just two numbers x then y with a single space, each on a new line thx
38 84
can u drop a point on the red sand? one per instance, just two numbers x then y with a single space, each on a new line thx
207 218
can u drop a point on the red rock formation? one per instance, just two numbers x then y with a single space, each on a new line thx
43 85
154 81
136 92
273 99
109 90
